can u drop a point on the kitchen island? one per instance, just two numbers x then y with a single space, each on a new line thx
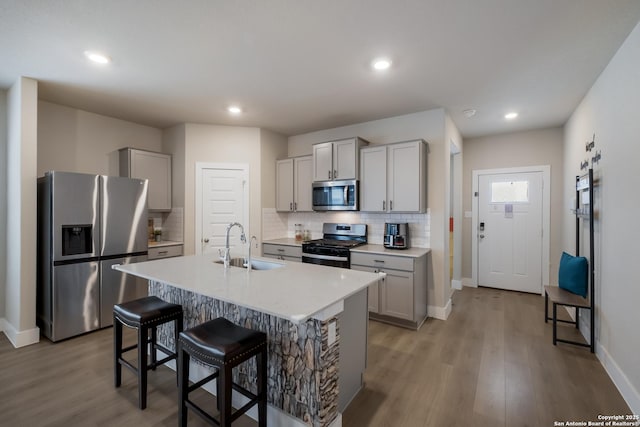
315 318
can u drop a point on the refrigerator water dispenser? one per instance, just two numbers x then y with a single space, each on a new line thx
77 239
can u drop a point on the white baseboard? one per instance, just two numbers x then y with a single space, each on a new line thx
456 284
468 282
19 338
629 393
441 313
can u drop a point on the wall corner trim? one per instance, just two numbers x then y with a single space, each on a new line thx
468 282
441 313
19 338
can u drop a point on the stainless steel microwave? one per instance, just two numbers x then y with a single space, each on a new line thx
335 195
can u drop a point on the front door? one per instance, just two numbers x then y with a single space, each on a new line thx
510 231
224 200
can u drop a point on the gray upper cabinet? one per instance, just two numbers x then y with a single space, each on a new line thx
302 182
337 160
373 179
293 184
284 185
156 167
393 178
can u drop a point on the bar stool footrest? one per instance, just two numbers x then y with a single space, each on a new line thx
195 408
203 382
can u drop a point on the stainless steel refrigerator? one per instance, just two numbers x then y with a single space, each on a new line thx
87 223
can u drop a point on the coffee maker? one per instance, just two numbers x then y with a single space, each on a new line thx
396 235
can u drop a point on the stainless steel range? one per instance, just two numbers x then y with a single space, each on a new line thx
333 248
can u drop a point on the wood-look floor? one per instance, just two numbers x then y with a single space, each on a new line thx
490 364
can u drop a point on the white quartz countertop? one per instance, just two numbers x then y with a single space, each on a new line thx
381 250
295 292
369 248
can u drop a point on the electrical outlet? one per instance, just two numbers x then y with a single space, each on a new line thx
332 333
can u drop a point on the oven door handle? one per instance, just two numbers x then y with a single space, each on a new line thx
327 257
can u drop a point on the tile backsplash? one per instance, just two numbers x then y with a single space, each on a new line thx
282 224
170 222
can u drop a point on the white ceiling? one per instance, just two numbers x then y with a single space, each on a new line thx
297 66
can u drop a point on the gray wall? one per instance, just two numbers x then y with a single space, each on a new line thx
79 141
220 144
3 200
273 146
532 148
610 110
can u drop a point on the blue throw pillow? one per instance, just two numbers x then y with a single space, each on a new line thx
573 275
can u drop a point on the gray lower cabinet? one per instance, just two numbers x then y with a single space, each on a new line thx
165 252
282 252
401 296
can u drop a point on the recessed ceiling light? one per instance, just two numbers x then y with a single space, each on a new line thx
511 116
97 57
234 109
469 112
381 63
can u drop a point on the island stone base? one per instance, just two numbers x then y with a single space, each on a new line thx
303 368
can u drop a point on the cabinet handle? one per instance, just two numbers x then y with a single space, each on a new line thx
390 205
295 206
290 206
163 252
280 250
335 174
378 260
329 176
384 205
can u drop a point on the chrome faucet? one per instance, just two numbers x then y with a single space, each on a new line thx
225 254
248 264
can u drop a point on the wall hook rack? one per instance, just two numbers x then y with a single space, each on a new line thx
595 159
584 165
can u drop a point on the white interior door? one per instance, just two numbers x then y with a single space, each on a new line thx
224 200
510 231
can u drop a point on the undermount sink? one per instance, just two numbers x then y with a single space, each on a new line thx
255 264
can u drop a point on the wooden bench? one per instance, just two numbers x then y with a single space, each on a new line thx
558 297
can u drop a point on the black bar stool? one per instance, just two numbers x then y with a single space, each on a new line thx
143 314
223 345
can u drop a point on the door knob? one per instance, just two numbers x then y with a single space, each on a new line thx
206 240
482 236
